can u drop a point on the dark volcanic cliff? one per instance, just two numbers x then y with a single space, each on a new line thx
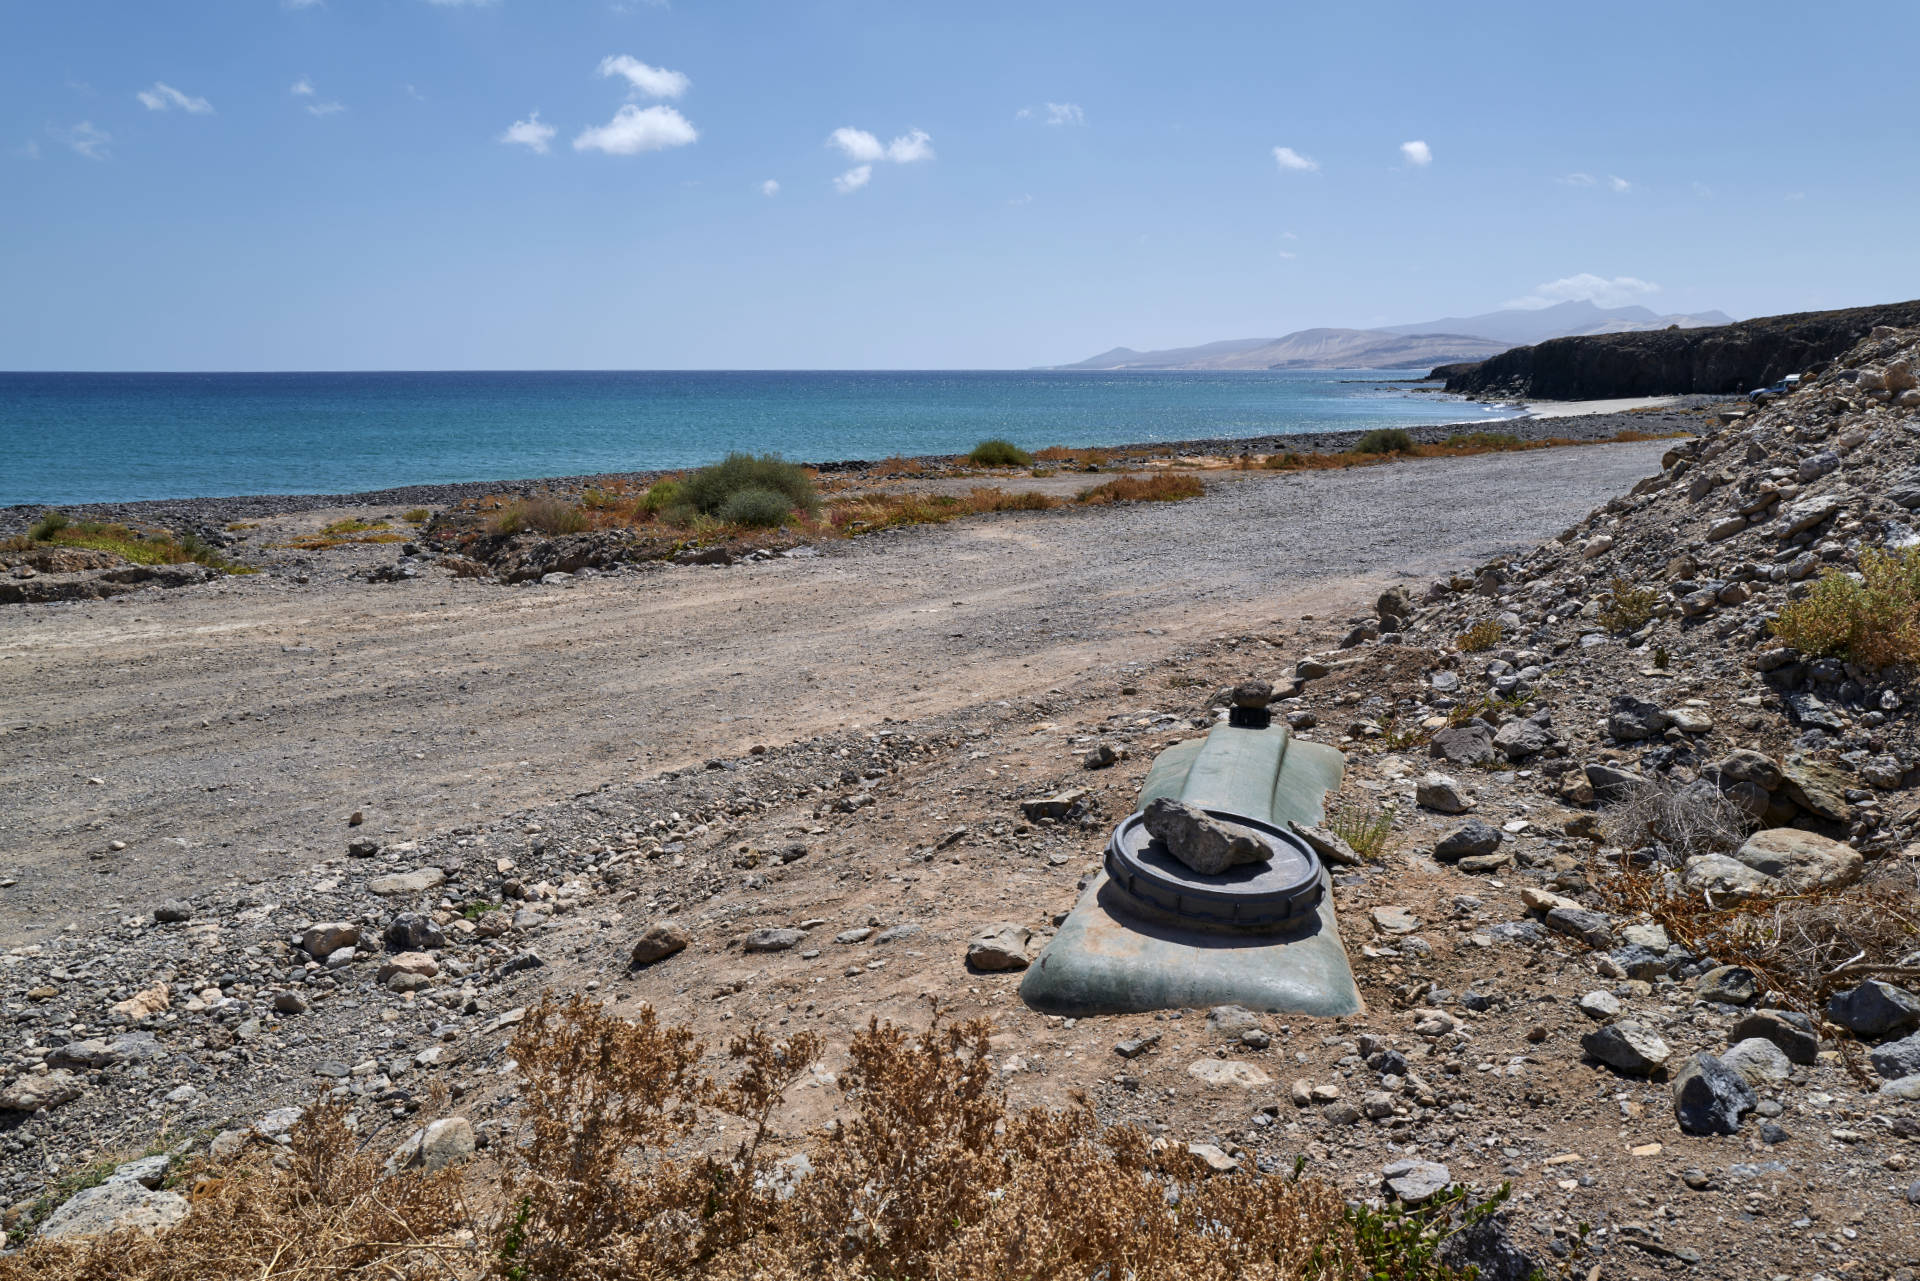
1722 360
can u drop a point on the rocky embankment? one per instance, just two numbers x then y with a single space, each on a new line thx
1721 360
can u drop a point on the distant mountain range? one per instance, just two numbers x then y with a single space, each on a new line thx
1437 342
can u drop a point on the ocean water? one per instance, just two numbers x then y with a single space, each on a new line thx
78 438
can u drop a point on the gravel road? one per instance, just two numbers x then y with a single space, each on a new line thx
227 732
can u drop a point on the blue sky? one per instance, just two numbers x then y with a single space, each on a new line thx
265 184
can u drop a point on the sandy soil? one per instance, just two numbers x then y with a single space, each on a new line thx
229 731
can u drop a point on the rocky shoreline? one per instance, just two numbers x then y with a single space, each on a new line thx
209 513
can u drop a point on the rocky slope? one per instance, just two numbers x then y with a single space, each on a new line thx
1723 360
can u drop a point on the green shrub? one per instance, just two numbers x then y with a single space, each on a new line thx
707 491
1384 440
1628 608
999 453
756 508
661 495
541 516
48 525
1873 620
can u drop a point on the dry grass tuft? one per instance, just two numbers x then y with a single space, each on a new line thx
1366 829
328 1213
1689 821
1481 636
542 515
1628 608
1158 487
1873 620
873 512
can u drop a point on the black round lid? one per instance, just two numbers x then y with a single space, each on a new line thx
1246 896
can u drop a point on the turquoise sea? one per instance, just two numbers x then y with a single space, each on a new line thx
80 438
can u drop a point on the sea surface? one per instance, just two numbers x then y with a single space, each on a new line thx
80 438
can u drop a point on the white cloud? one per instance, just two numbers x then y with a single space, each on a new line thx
1065 113
636 129
654 82
771 187
1288 255
1702 190
1288 235
329 108
1025 113
1025 198
1417 153
1603 291
164 97
302 88
1578 180
1288 158
1617 183
88 141
529 133
303 4
858 145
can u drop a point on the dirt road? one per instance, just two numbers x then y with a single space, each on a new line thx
227 732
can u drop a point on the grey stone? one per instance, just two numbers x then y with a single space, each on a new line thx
38 1093
1727 984
773 940
1199 840
1611 784
1632 720
323 940
413 932
1595 929
1710 1097
1001 946
659 941
117 1203
1759 1060
1726 878
1600 1005
1793 1033
1441 793
448 1141
1874 1010
1800 860
1415 1182
1231 1018
172 913
1519 739
859 934
1469 744
1328 845
1473 838
1892 1061
1627 1046
1642 963
395 884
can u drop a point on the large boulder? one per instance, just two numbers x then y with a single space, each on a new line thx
1875 1010
1800 860
1627 1047
1709 1097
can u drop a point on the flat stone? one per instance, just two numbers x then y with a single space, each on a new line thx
1002 946
115 1204
394 884
415 963
1595 929
1727 879
1469 744
1709 1097
1211 1159
1228 1072
323 940
1328 845
1231 1018
1800 860
659 941
773 940
1627 1047
1480 864
1791 1032
1471 839
1415 1182
1394 920
1134 1047
1058 806
448 1141
40 1093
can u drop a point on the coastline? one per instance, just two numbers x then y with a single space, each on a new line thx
1568 420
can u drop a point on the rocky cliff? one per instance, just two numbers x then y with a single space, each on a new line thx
1722 360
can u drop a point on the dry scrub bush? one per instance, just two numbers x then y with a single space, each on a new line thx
1481 636
1873 620
1628 608
542 515
929 1177
1689 821
1160 487
329 1213
1366 830
873 512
